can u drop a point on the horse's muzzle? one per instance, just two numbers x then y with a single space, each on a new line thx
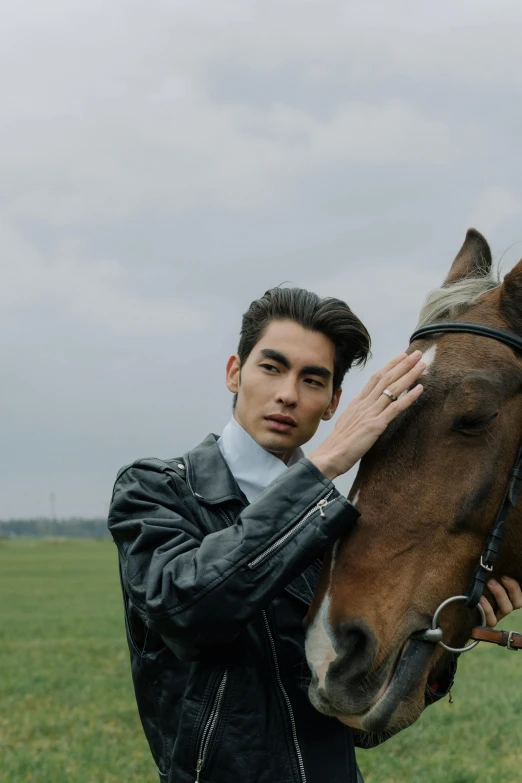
376 700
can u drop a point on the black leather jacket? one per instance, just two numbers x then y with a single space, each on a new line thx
215 591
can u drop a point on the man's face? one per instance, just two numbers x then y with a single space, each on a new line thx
285 387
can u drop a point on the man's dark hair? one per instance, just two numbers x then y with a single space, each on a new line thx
329 316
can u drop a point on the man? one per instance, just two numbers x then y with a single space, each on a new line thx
220 550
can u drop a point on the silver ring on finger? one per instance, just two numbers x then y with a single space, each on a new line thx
390 394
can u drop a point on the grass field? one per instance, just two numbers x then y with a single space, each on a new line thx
67 711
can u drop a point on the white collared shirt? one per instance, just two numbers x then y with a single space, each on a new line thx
252 466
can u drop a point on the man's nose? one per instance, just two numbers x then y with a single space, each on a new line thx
287 392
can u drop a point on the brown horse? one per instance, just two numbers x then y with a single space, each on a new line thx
428 493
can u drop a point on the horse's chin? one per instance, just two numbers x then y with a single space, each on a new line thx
400 701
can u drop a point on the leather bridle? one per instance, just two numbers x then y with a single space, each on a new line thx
510 499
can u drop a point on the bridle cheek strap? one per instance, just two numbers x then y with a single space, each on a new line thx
490 551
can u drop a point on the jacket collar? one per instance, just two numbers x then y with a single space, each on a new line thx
208 474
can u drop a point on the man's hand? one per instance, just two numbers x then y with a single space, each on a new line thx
508 596
368 415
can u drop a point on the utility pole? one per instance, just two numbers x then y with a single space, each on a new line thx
52 502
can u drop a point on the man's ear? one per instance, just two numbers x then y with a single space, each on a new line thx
233 376
473 259
329 412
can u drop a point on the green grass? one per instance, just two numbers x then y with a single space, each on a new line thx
67 710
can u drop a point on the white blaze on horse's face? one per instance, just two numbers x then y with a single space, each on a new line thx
319 648
428 357
318 645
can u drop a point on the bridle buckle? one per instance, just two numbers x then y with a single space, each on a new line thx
483 565
509 644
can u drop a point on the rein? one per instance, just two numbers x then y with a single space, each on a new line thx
511 640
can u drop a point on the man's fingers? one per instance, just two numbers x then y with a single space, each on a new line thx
491 620
393 409
508 596
401 385
504 604
378 376
514 591
394 378
371 411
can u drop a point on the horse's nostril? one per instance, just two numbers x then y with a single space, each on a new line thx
355 644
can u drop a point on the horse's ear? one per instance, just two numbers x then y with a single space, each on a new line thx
511 300
473 259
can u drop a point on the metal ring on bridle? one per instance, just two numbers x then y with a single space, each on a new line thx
435 626
390 394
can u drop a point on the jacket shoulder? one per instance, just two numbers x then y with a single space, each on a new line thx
150 470
155 464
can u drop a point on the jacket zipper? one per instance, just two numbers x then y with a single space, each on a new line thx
319 506
225 516
286 699
210 725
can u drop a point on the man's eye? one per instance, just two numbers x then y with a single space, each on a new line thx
313 382
474 423
270 367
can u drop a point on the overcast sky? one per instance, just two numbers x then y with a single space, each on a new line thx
164 163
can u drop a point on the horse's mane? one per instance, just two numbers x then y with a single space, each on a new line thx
450 301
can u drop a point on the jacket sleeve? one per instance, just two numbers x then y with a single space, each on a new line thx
198 589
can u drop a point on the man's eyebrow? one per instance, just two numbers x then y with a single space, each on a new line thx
316 369
276 356
310 369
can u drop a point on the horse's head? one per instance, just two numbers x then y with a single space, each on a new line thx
428 493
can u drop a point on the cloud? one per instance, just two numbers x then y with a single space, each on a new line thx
94 130
164 163
495 205
174 154
96 291
98 128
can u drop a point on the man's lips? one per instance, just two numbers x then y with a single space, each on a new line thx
281 423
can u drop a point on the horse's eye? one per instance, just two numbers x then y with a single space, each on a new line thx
471 425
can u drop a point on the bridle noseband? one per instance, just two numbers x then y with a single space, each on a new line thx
511 494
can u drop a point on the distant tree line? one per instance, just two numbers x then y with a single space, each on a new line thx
45 527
